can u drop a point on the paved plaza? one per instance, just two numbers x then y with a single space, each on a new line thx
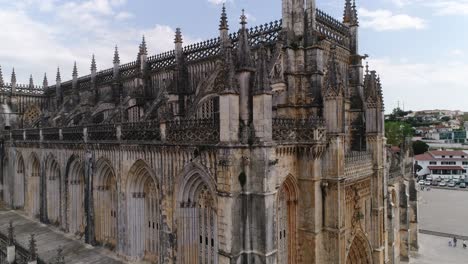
444 211
435 250
49 239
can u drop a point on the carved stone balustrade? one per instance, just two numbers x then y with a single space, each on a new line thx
105 132
141 131
358 164
51 134
298 130
73 133
193 131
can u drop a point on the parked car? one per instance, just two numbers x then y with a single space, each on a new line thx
429 178
435 183
451 184
421 182
442 184
427 183
462 185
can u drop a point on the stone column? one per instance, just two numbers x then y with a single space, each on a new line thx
88 201
229 117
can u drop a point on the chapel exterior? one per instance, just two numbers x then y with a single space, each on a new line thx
264 145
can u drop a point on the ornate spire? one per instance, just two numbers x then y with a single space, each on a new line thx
31 82
243 19
244 59
333 82
45 82
75 71
58 78
13 76
355 13
116 55
32 249
178 36
224 21
2 83
93 64
348 12
143 48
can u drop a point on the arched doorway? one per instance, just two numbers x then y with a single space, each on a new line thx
33 196
105 204
197 219
53 190
18 198
76 191
286 221
359 252
144 215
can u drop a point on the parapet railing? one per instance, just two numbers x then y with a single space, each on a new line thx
298 130
358 164
189 131
332 28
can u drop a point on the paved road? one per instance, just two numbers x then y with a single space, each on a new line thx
49 239
444 211
435 250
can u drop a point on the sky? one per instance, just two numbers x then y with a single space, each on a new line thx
419 47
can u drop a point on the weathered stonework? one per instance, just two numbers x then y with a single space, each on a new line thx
262 146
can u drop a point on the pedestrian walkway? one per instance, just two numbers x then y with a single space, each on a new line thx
49 240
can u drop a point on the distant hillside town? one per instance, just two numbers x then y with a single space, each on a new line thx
439 129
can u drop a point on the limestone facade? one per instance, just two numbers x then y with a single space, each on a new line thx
261 146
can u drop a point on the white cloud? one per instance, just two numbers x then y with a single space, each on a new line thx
423 85
73 32
457 53
458 7
385 20
217 2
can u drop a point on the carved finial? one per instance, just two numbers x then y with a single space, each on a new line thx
31 82
116 55
224 21
178 36
11 234
348 12
93 64
60 259
143 48
45 82
13 76
2 83
367 68
32 249
243 19
75 71
58 78
355 13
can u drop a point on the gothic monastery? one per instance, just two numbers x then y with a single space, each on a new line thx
264 145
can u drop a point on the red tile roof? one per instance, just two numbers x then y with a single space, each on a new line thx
425 156
448 153
445 167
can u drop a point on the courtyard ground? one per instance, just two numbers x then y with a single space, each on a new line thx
445 212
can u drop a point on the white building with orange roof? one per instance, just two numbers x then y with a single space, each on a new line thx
442 163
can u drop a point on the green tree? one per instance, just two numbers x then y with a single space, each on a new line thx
420 147
396 132
445 118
